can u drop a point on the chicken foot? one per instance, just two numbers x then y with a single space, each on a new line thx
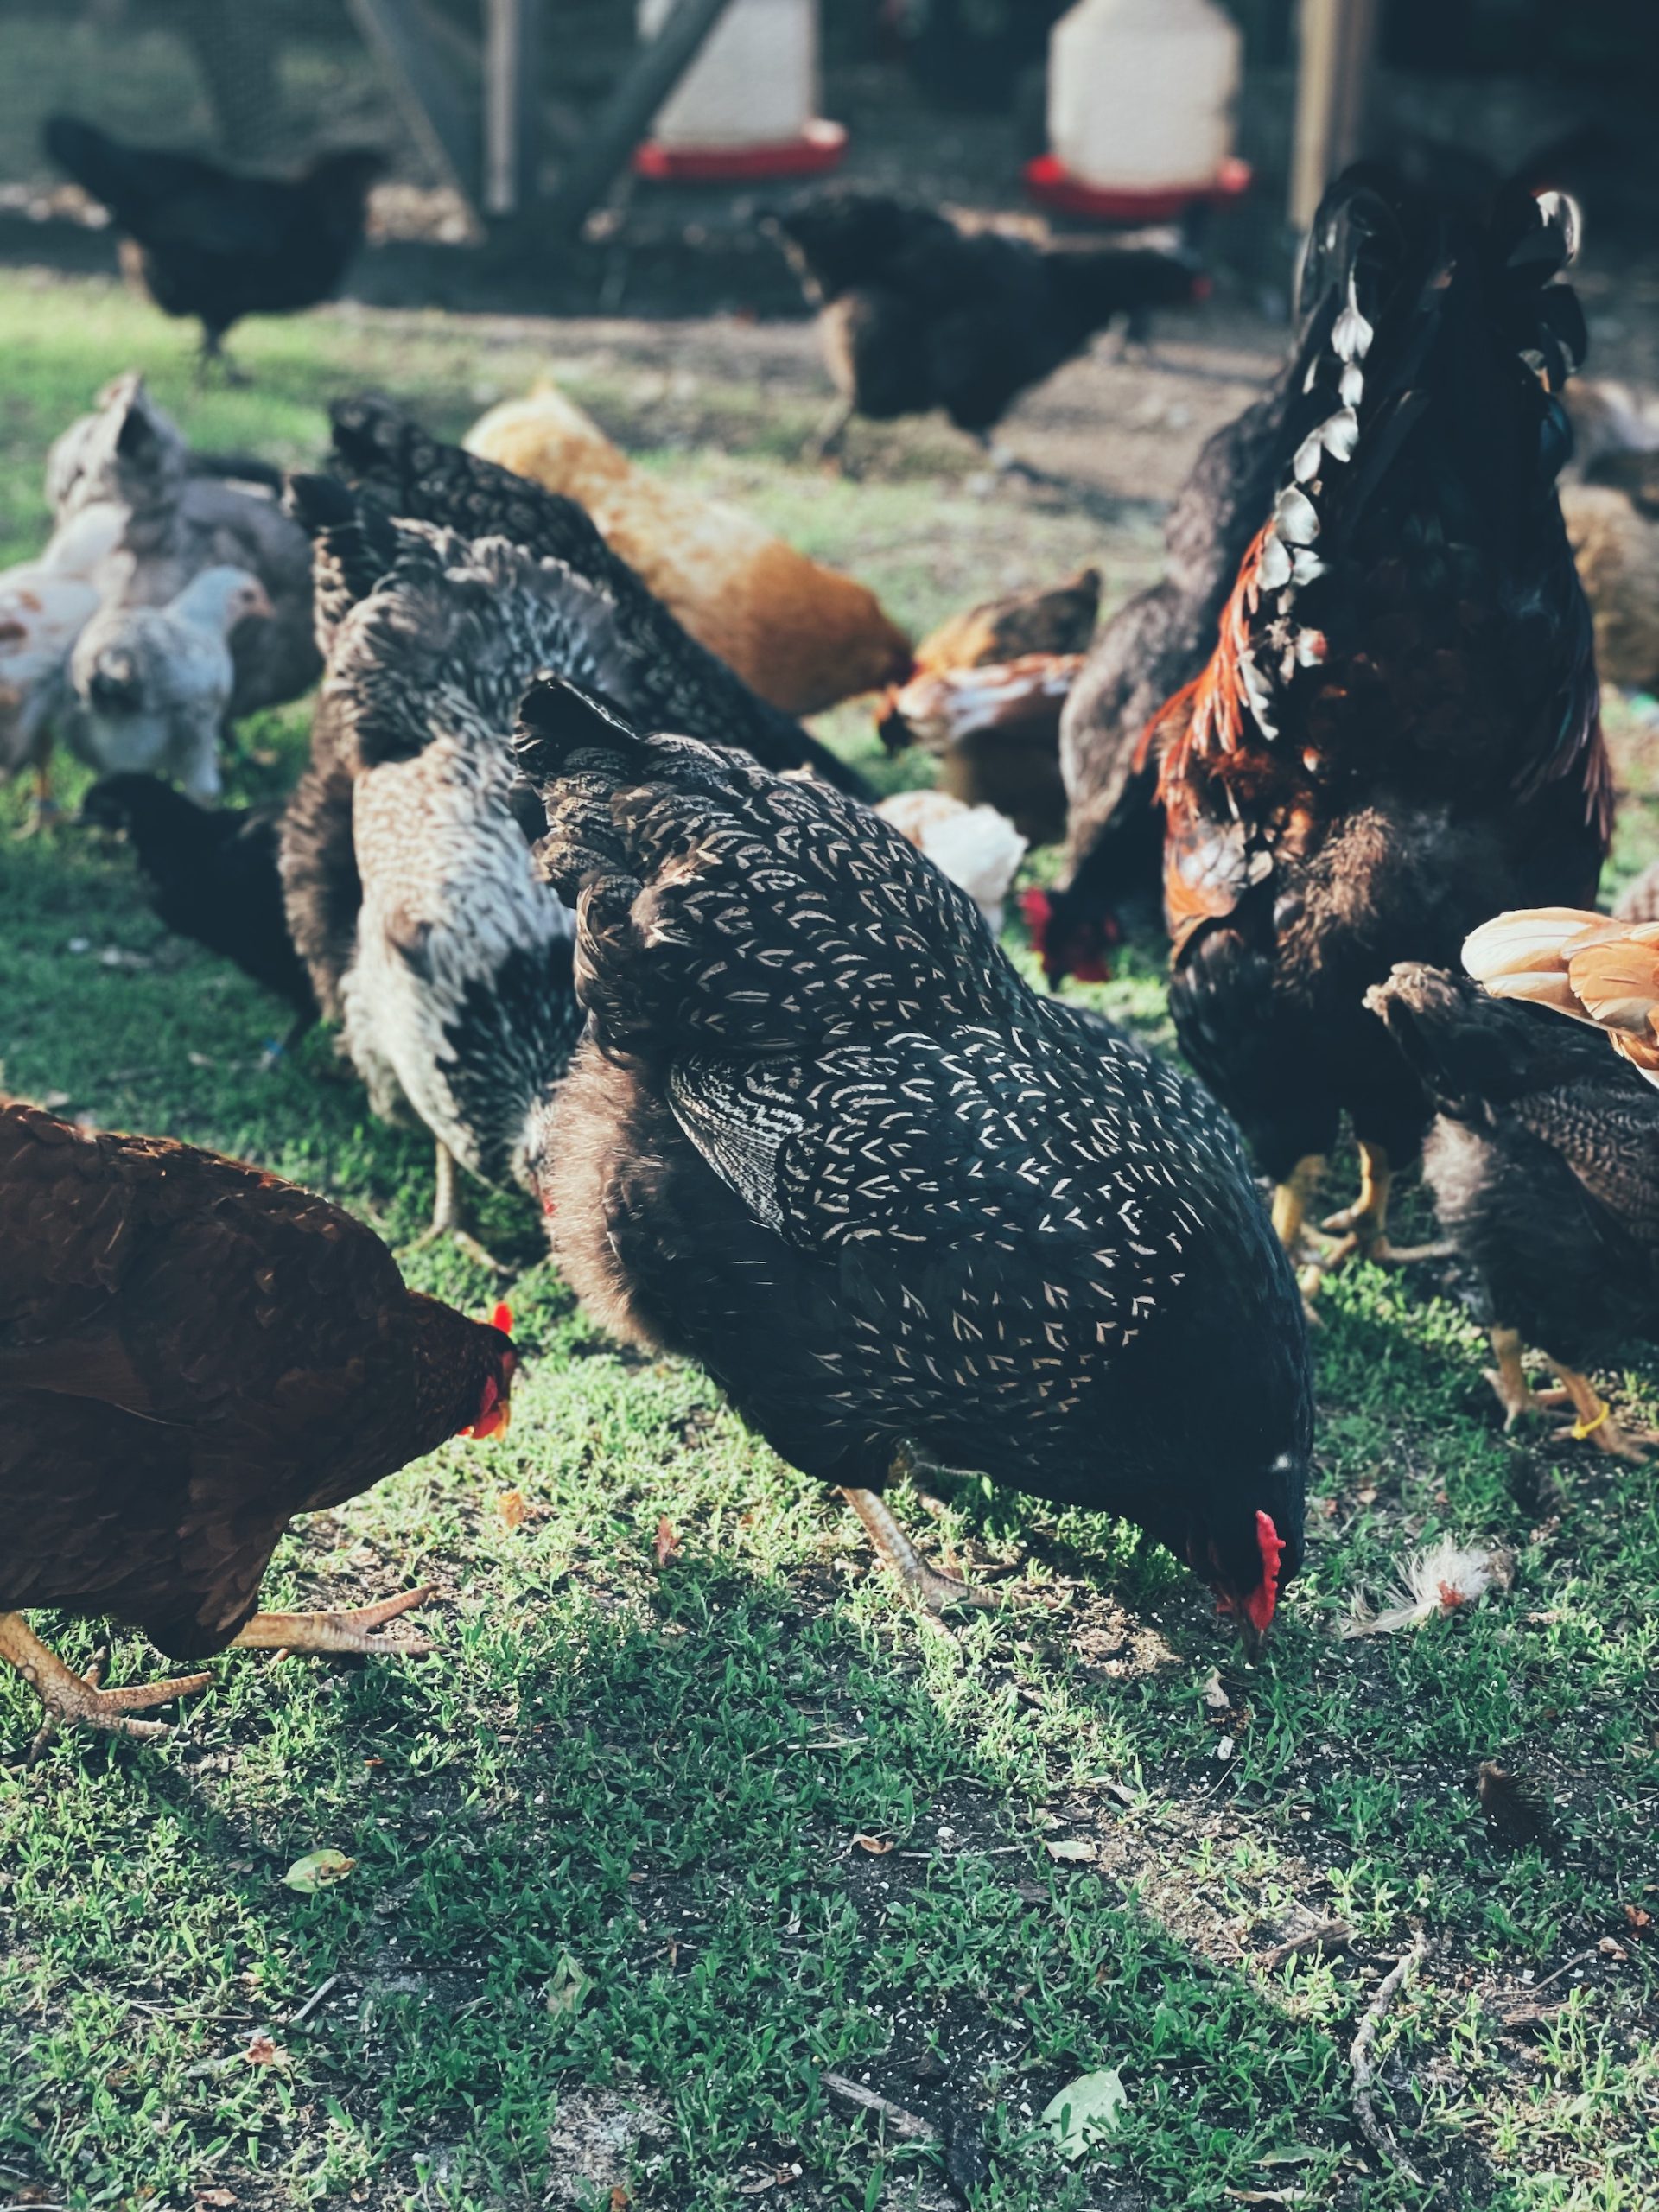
71 1699
828 440
938 1593
347 1631
1595 1423
211 355
448 1215
42 807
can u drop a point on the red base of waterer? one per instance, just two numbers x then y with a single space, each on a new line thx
819 148
1050 186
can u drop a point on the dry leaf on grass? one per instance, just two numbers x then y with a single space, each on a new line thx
1071 1850
510 1509
668 1542
570 1987
1085 2112
873 1844
318 1869
263 2051
1440 1579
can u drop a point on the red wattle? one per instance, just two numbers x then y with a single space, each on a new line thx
1035 906
502 1318
1270 1545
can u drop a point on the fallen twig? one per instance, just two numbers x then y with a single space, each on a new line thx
314 2000
900 2121
1578 1959
1359 2058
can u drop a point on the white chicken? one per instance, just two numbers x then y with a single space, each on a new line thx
977 847
44 606
151 684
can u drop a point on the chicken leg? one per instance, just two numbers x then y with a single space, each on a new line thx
449 1214
938 1593
70 1699
1595 1423
347 1631
42 807
211 355
1509 1379
1364 1226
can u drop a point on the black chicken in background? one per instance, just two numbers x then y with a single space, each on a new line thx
214 245
821 1137
211 874
917 312
1544 1164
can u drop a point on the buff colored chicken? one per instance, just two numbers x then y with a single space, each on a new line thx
1596 969
801 635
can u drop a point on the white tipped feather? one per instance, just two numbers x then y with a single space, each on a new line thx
1294 517
1341 434
1350 385
1532 940
1305 567
1443 1578
1351 335
1309 455
1275 565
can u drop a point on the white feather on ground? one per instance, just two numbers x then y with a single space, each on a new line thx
152 685
1443 1578
976 847
44 606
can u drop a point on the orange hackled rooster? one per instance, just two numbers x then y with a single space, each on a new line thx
1398 734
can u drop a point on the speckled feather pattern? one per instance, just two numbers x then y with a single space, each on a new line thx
824 1138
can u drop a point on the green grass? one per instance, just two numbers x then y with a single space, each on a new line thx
614 1911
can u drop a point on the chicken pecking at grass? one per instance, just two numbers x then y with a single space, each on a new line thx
191 1353
1544 1164
1399 732
820 1137
212 244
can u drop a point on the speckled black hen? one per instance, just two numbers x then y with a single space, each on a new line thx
823 1139
1544 1164
192 1353
1398 734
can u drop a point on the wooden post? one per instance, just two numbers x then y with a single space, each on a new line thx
629 112
511 44
1335 40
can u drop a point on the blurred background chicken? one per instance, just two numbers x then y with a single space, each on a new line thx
211 874
916 311
150 686
1544 1164
192 1353
184 512
820 1137
44 606
1042 619
996 733
1398 734
212 245
801 635
977 847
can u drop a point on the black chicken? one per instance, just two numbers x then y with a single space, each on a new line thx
1398 734
215 246
1148 649
1544 1164
211 875
820 1137
917 312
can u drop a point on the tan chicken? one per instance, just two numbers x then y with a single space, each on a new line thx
1616 547
1047 619
1591 967
801 635
997 733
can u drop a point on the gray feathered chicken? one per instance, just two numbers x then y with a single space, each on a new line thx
453 980
184 512
152 685
821 1137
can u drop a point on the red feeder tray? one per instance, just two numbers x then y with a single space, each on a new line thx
819 148
1050 186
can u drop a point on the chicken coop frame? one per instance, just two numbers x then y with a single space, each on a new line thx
493 158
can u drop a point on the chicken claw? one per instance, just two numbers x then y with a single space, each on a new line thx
1595 1423
1509 1379
938 1593
73 1700
347 1631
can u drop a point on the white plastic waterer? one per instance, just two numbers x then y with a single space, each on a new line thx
1140 94
755 84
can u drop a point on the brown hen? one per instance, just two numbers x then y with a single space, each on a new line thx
192 1353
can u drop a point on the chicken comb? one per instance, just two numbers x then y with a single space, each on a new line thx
501 1317
1270 1546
